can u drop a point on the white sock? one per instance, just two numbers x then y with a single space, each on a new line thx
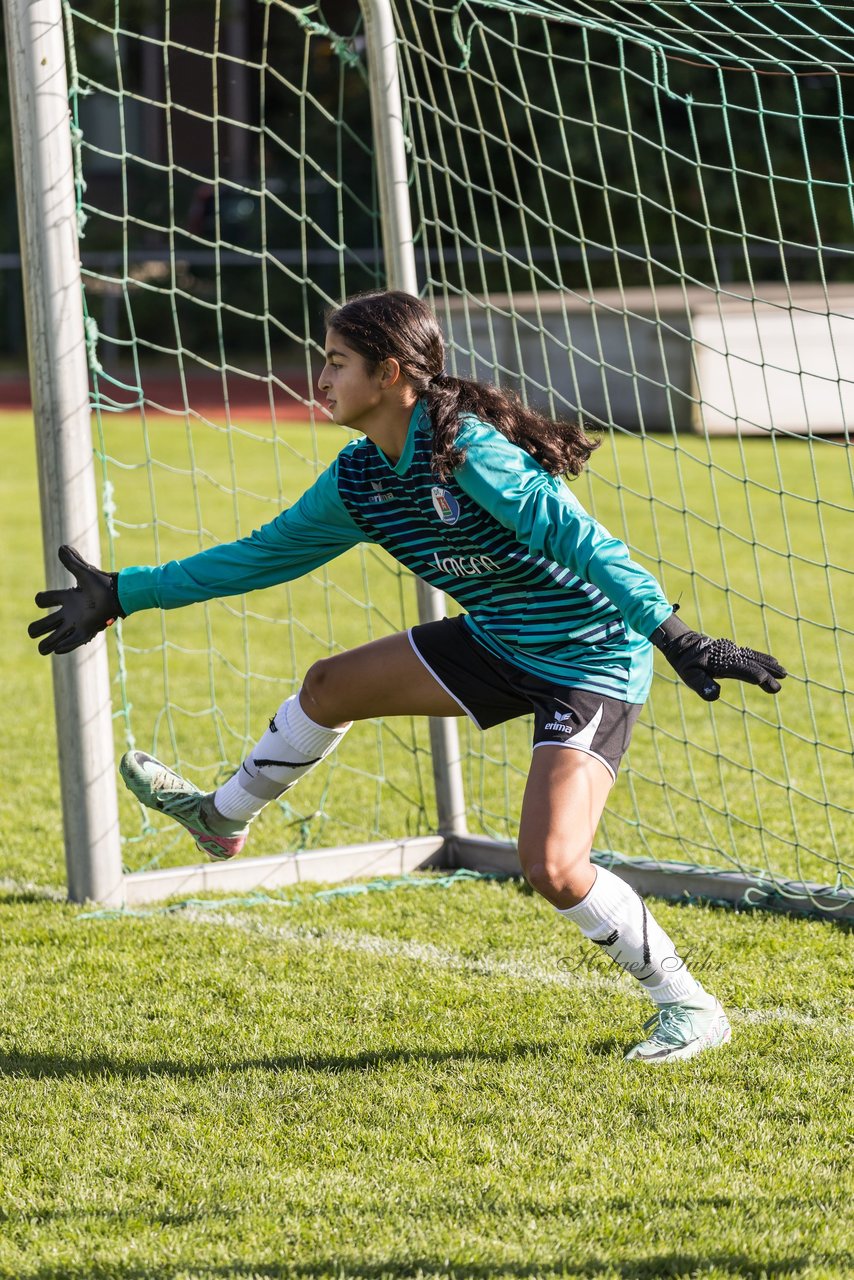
618 920
292 746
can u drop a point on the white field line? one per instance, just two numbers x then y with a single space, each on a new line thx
516 969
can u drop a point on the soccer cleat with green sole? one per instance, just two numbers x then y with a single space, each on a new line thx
682 1030
158 787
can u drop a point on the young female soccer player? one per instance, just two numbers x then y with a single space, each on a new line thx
461 483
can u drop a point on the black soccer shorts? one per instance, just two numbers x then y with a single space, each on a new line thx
491 691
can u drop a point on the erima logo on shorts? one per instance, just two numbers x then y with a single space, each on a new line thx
447 507
465 566
585 736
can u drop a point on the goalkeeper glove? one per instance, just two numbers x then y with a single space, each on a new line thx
84 610
698 659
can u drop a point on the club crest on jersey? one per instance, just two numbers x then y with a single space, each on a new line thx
447 507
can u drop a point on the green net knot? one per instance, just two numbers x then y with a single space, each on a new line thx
342 46
462 39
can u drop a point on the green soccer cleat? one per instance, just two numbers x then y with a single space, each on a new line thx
682 1030
158 787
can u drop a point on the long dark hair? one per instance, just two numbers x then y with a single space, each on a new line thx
391 324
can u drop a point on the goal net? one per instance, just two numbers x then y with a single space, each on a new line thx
226 198
637 213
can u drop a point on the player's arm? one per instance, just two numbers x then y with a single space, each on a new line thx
550 521
315 530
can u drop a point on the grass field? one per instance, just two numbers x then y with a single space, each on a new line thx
428 1081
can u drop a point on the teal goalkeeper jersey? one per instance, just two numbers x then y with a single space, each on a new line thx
543 584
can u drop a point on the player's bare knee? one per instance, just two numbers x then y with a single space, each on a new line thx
543 877
557 876
318 693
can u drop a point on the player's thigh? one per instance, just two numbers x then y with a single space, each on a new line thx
383 678
565 795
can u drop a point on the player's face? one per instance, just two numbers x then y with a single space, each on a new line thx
352 394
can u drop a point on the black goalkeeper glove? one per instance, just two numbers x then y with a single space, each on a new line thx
698 659
84 610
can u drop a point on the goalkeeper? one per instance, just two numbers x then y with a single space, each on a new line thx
461 483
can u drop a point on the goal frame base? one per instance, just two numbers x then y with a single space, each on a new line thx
679 881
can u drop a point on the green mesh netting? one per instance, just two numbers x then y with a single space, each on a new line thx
642 213
636 212
227 197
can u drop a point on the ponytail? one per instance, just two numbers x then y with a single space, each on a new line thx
561 448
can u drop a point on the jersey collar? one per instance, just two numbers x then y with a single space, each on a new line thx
404 462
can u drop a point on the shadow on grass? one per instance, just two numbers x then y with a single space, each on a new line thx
40 1066
655 1267
609 1048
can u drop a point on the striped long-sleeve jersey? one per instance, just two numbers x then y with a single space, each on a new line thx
543 584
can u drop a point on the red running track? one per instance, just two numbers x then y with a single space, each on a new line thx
206 393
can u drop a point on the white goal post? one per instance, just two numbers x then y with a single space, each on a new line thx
59 381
